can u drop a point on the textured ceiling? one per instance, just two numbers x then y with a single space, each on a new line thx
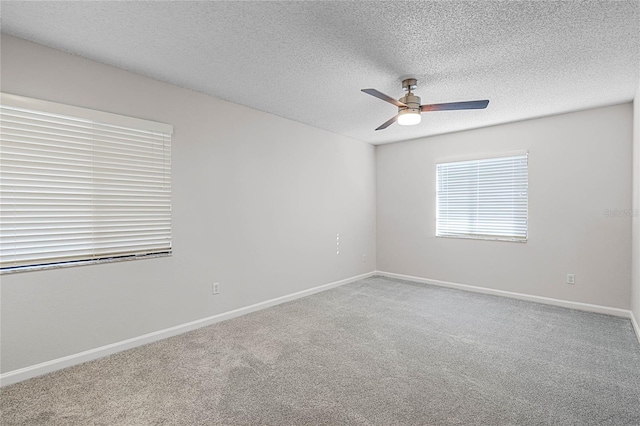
307 61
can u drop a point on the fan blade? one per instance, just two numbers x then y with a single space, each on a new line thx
387 123
455 106
380 95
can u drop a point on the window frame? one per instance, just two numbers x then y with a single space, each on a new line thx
91 125
523 238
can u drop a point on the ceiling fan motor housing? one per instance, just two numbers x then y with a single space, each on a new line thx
412 103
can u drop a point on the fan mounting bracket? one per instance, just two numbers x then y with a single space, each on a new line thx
409 84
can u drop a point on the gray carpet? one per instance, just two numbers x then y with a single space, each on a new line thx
375 352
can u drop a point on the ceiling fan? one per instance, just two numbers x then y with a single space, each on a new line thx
409 107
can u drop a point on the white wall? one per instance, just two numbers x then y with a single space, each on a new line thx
579 167
635 284
258 199
257 203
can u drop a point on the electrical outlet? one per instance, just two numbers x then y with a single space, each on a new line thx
571 279
364 257
215 288
337 243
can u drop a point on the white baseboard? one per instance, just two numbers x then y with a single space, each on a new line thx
636 325
25 373
521 296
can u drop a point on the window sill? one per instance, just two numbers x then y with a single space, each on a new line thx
484 238
18 269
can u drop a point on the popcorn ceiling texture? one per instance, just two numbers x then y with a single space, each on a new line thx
307 61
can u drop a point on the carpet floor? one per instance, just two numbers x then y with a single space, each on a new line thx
375 352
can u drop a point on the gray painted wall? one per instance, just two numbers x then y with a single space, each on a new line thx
579 166
257 203
635 284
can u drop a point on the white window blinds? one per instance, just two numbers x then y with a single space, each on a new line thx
80 185
484 199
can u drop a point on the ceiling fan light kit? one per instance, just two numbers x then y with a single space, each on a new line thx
409 108
409 117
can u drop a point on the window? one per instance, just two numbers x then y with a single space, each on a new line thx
483 199
78 185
